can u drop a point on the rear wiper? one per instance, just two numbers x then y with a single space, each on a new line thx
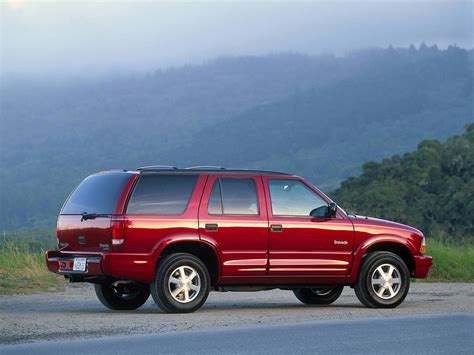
86 216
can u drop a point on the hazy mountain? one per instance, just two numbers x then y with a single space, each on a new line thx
316 116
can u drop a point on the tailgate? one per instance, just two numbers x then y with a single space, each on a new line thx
92 235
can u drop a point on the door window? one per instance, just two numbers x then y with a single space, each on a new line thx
293 198
233 196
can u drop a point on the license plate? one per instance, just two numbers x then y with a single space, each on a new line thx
79 264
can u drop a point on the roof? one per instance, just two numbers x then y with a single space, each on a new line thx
206 169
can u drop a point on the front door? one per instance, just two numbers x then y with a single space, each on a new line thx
233 216
300 244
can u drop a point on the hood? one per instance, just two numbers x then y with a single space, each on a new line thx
377 222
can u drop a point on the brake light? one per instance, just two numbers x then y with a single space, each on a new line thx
423 246
57 236
117 228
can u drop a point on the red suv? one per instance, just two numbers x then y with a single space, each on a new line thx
178 233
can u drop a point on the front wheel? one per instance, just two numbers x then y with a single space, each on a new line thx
121 295
318 295
384 280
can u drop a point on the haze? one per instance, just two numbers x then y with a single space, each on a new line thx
92 38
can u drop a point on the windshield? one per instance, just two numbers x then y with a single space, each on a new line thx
96 194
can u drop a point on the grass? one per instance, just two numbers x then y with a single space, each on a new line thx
451 261
23 268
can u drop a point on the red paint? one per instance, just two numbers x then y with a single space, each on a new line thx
305 251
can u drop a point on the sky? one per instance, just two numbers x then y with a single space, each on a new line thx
94 38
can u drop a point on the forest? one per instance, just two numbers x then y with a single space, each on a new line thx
321 117
431 188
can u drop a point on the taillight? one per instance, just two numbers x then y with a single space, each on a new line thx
57 237
117 228
423 246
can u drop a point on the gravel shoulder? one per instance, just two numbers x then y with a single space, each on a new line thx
77 314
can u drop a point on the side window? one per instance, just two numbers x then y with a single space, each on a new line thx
233 196
161 194
215 200
293 198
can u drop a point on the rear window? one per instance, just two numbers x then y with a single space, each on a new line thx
96 194
161 194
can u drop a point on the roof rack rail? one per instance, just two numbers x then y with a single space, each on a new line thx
205 167
158 167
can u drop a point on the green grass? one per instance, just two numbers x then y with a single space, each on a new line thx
451 261
23 268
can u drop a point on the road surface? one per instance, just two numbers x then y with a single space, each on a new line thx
444 334
77 314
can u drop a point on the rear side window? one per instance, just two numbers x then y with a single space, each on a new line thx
96 194
161 194
231 196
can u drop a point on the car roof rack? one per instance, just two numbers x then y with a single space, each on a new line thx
205 167
158 167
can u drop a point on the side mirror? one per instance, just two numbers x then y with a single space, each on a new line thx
325 211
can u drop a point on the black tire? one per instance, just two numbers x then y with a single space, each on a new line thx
366 291
162 288
122 297
318 295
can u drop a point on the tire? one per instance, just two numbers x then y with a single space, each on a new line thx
121 297
375 290
181 283
318 295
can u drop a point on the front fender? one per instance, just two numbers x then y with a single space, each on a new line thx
361 250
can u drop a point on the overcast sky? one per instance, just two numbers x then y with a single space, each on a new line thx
93 38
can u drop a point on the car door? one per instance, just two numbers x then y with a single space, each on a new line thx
298 243
233 216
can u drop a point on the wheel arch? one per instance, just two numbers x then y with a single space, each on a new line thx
394 244
396 248
202 250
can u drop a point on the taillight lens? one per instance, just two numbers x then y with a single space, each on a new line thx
117 228
423 246
57 237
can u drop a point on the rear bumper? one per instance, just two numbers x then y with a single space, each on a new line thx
422 266
137 267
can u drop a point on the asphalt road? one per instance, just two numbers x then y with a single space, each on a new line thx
445 334
76 314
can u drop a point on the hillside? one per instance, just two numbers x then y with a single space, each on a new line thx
395 100
431 188
320 117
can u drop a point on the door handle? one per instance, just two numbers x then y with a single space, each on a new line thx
211 227
276 227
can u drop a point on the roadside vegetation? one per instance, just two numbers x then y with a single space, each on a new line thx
22 266
451 261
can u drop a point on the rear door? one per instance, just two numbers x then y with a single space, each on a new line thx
233 215
99 193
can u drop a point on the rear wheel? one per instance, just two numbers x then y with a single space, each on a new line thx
318 295
384 280
122 295
181 283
